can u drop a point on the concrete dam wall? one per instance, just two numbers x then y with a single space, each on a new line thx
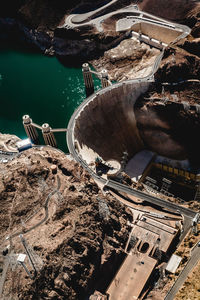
107 125
118 119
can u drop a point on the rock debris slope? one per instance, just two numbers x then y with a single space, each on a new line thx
81 233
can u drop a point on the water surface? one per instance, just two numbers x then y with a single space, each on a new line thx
34 84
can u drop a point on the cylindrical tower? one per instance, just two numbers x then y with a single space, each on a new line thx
31 131
104 79
48 135
88 80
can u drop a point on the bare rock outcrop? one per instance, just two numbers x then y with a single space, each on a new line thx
129 60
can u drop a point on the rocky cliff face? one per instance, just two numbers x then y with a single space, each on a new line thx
168 120
81 233
37 23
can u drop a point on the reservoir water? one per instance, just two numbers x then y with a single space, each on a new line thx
34 84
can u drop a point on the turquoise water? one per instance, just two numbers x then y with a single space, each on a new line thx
40 86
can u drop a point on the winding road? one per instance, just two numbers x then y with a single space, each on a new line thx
91 18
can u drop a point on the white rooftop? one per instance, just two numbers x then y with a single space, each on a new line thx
21 257
173 263
138 163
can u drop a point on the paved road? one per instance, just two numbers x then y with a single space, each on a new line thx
151 199
195 257
79 20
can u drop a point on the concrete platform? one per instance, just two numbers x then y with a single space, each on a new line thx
136 166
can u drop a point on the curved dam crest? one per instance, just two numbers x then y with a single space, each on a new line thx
108 125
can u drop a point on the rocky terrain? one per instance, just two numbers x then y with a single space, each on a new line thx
37 23
129 60
191 287
81 233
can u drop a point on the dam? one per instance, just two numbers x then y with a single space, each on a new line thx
141 150
118 217
139 141
116 130
117 120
